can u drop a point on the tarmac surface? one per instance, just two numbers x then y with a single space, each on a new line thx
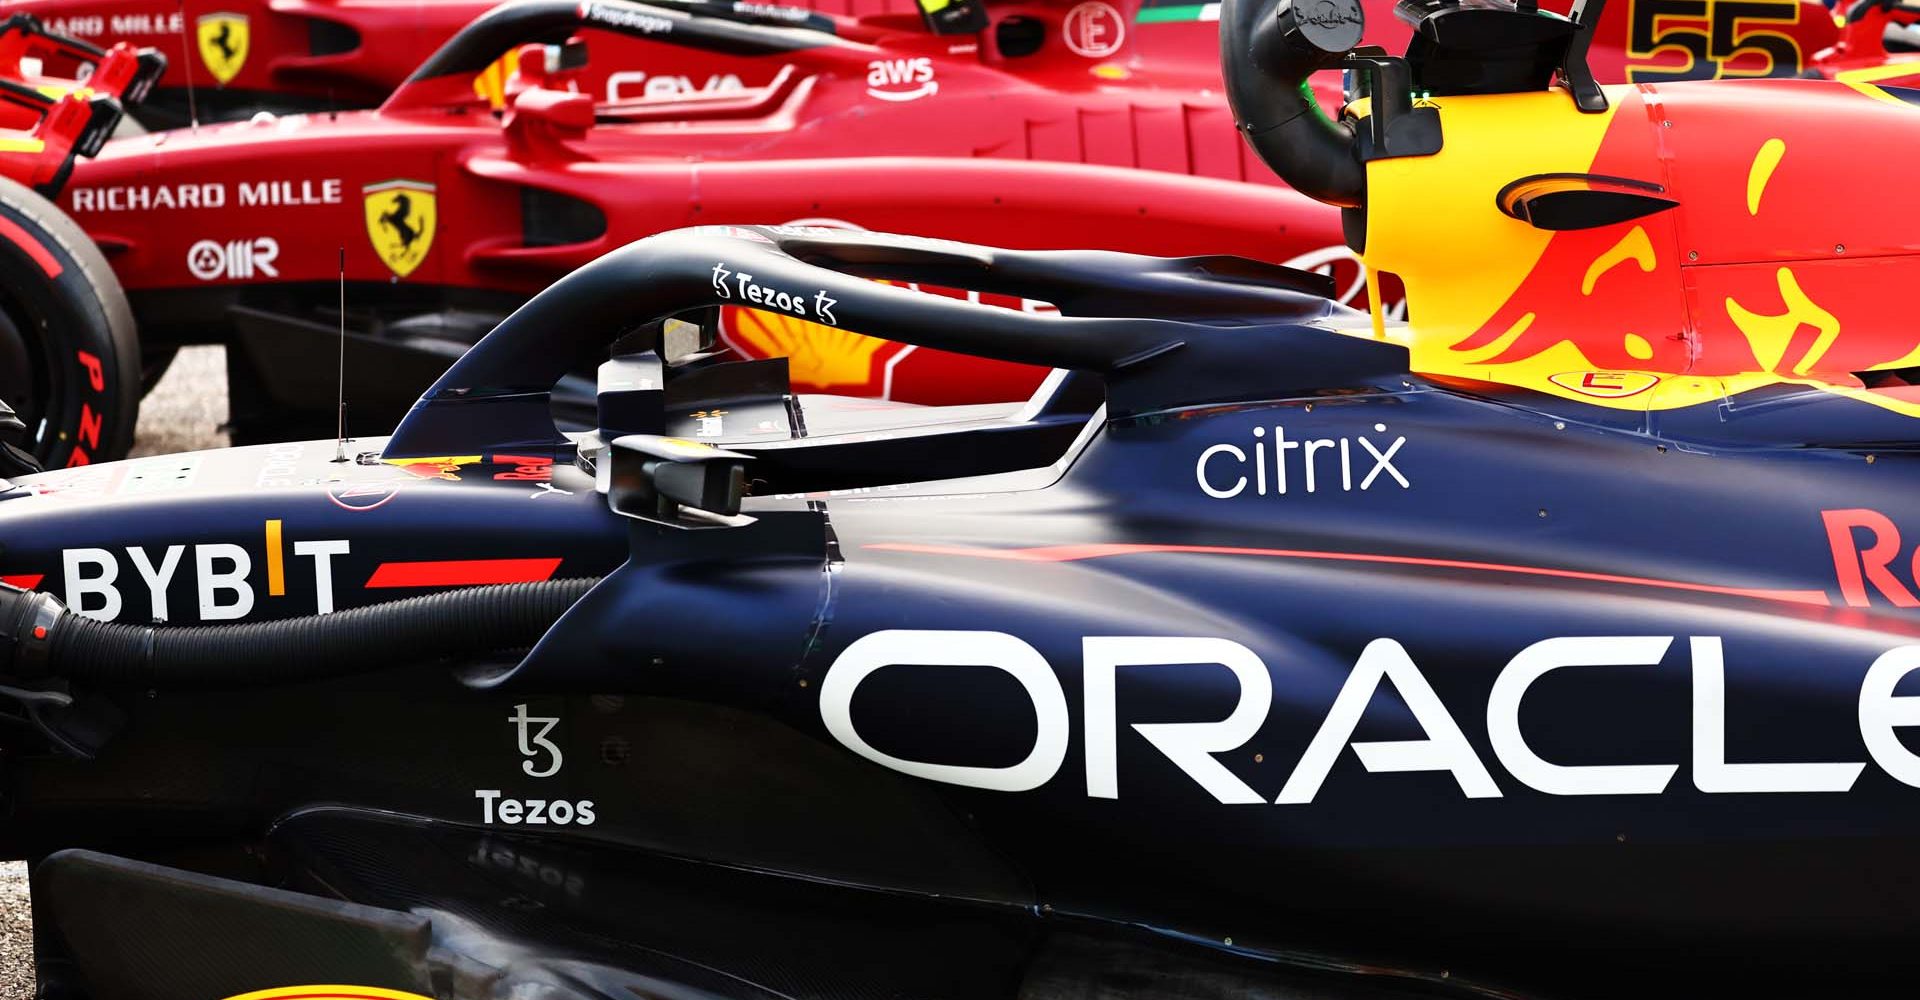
183 413
16 933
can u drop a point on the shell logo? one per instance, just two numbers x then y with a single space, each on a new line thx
819 358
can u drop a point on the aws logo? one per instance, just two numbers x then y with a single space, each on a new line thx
223 41
400 222
901 80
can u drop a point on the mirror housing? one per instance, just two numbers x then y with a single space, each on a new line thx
673 482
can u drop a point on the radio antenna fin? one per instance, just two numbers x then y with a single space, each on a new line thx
186 63
340 426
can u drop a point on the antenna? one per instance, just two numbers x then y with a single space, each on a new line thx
340 448
186 63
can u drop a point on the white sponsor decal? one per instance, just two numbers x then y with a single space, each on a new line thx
1221 471
495 808
729 283
169 23
92 25
147 197
773 11
79 26
222 573
1193 747
631 20
277 193
282 462
210 260
153 197
1094 30
534 743
630 84
901 80
542 760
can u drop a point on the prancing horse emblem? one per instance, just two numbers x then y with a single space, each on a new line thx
400 222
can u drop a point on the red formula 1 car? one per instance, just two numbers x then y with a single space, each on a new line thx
48 121
451 215
239 57
64 324
243 56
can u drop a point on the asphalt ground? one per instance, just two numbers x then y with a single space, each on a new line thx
183 413
16 933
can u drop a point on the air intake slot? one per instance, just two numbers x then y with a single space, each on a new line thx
330 38
548 218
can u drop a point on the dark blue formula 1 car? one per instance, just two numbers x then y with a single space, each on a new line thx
1249 658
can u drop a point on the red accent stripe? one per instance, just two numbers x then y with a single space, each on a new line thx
462 572
335 996
1074 553
40 254
25 581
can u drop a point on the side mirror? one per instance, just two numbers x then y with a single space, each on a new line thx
559 111
542 121
953 17
674 482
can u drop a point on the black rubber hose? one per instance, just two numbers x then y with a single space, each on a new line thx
1268 51
466 622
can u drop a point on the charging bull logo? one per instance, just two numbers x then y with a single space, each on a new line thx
223 44
1758 277
400 222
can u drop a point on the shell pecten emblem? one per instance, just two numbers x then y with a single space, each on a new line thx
329 993
223 38
819 357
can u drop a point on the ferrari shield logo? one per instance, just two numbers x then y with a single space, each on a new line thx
400 219
223 44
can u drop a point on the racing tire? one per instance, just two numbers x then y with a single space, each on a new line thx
69 354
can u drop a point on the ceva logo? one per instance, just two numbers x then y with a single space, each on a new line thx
901 80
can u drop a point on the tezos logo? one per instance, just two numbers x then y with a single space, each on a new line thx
236 260
1283 465
901 80
743 287
542 759
534 743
